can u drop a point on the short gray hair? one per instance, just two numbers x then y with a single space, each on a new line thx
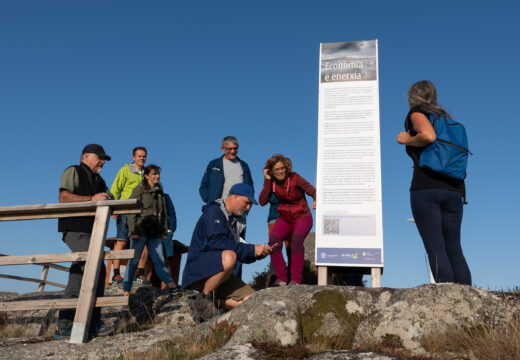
230 139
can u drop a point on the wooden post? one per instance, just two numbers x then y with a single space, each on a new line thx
87 294
324 278
43 277
178 249
376 277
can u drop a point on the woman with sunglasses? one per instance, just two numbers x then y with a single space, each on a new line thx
294 216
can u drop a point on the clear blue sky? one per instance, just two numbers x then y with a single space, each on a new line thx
177 76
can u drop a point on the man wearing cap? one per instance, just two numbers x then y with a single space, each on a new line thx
214 250
221 174
82 183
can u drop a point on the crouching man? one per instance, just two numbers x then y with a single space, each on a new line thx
215 247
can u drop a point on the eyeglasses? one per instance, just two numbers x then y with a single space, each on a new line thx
279 170
231 148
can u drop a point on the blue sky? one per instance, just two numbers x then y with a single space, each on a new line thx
177 76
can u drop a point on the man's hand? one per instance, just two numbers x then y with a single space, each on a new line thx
134 237
67 196
100 197
261 251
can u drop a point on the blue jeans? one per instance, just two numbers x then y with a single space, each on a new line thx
156 253
438 216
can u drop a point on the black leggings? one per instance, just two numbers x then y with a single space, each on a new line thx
438 216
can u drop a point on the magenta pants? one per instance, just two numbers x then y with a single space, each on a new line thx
299 230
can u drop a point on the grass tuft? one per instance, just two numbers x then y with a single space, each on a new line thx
188 347
483 341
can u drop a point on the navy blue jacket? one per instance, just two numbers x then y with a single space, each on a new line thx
211 236
213 180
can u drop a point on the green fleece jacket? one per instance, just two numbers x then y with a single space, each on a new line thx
126 180
153 203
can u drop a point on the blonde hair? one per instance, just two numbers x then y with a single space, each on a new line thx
424 95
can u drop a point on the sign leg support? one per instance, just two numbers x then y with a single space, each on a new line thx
376 277
324 277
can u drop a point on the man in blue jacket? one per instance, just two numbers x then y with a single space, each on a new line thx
215 249
221 174
224 172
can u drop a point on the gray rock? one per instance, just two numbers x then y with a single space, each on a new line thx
349 355
236 352
345 316
411 313
248 352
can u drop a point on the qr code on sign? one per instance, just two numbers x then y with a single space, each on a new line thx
331 226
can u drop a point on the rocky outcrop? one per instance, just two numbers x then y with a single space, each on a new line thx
347 317
147 305
246 351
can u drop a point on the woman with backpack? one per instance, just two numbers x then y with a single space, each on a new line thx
149 228
436 199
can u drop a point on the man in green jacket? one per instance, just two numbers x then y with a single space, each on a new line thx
126 180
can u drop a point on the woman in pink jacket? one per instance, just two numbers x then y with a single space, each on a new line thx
294 215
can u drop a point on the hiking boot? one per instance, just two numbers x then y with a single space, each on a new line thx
278 283
116 280
142 281
203 307
175 292
172 293
62 334
101 329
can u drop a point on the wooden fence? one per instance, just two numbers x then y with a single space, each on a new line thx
43 277
102 210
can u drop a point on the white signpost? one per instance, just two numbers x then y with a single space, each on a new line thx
349 223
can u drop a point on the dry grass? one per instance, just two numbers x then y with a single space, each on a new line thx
8 331
14 331
188 347
482 341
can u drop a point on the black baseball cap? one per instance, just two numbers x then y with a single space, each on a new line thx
96 149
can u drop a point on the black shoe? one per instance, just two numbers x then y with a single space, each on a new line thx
203 307
175 292
62 334
101 329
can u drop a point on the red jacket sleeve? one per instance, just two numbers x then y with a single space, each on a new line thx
306 186
265 195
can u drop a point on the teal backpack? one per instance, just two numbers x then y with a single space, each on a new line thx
449 153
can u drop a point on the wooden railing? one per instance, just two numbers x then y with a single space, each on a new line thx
43 278
101 210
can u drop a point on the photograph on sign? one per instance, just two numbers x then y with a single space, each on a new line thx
348 61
